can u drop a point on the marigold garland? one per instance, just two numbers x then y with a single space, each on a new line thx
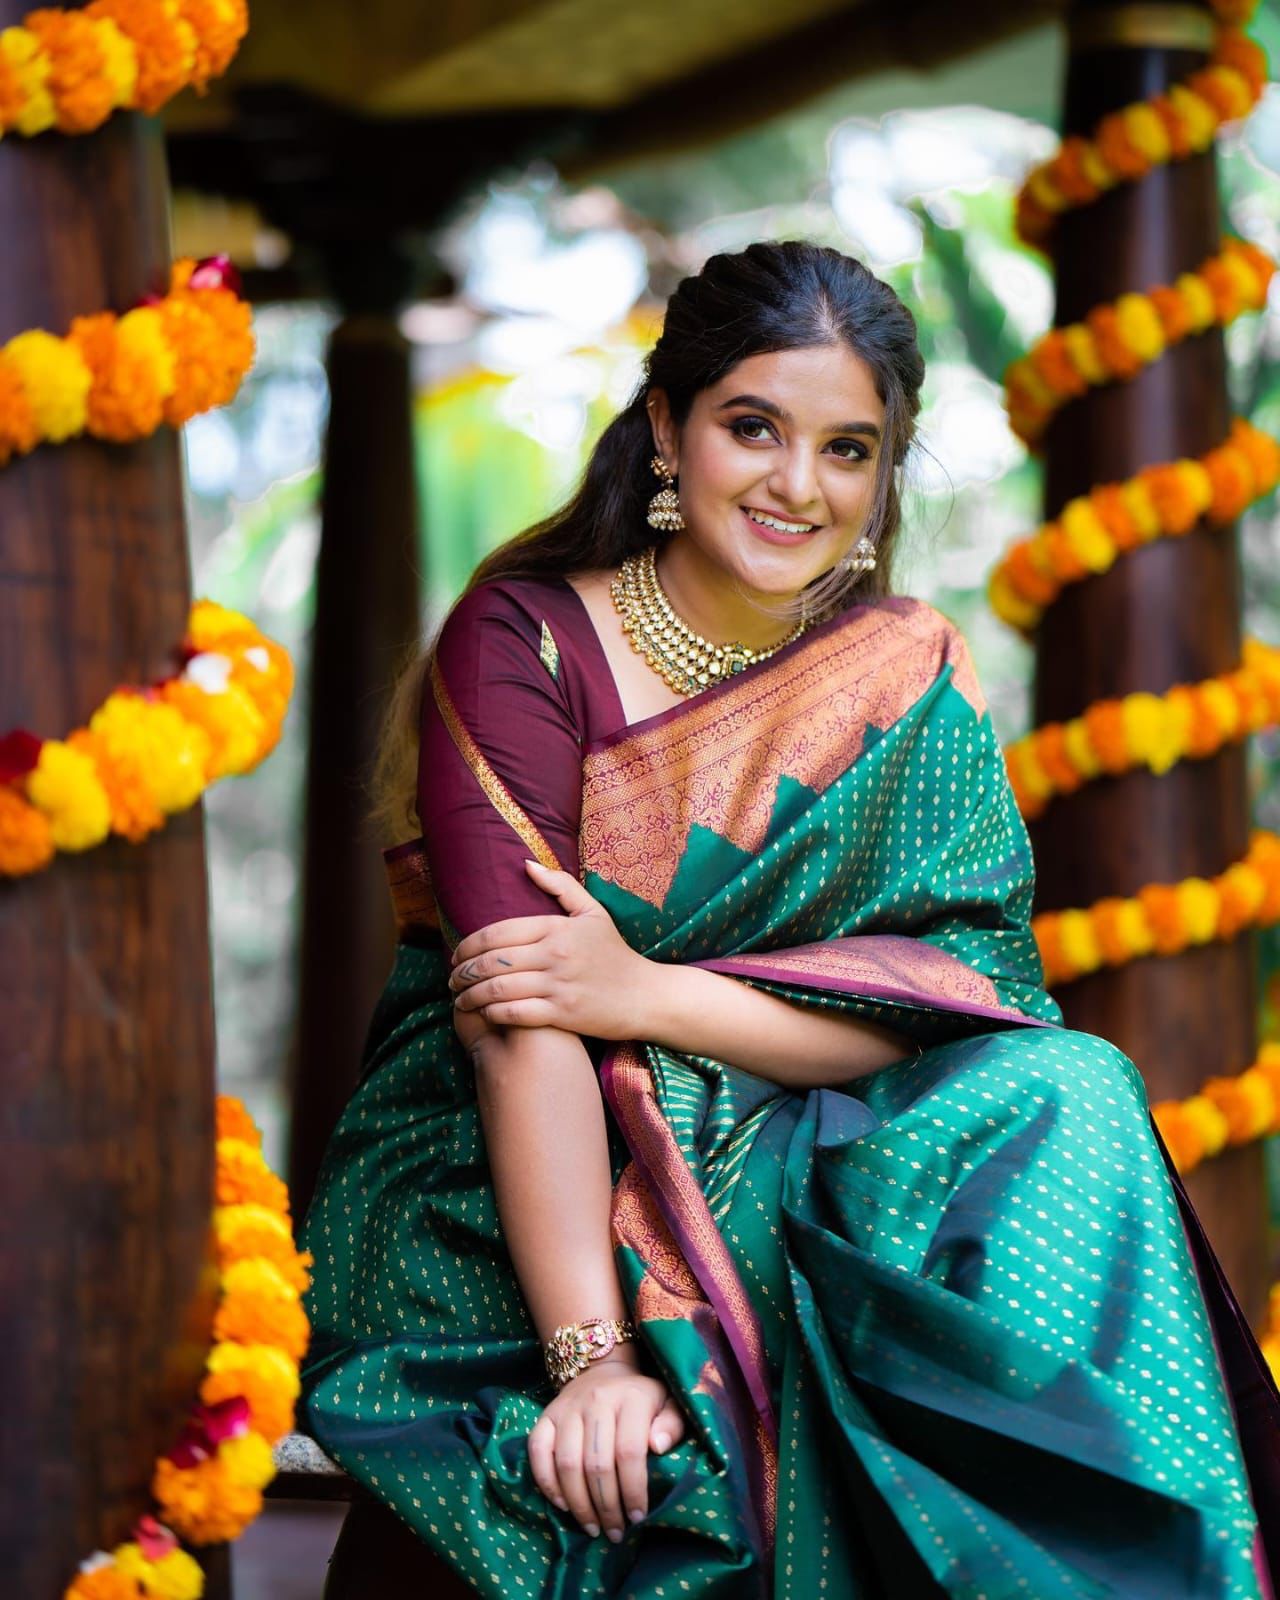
1164 501
70 70
1116 340
1226 1111
120 377
208 1488
1128 143
1163 918
147 753
1190 720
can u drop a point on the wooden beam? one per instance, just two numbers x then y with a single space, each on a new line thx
106 1144
1166 613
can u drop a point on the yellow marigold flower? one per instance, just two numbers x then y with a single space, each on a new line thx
65 787
1083 350
55 379
1138 504
1079 748
1096 169
1198 117
1087 534
1140 326
1008 604
1237 268
174 751
1198 905
264 1360
1029 774
1197 484
1080 941
248 1461
235 727
119 61
1146 131
1269 1051
1044 191
1222 705
1198 297
1134 929
30 66
1146 732
176 1576
1209 1122
215 627
1179 712
140 334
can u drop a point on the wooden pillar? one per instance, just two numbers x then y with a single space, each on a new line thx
1166 613
106 1138
366 623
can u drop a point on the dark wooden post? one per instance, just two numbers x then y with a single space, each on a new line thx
366 623
1167 613
106 1146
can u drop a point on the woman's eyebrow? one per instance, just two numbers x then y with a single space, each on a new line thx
759 403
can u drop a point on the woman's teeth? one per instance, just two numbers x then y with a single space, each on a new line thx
783 527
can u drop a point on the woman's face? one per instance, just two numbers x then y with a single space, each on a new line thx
792 436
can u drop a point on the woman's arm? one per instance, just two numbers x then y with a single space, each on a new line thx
544 1130
710 1014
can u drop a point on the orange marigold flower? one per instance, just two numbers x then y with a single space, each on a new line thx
259 1314
1245 1101
1053 757
134 812
1164 914
1180 1135
234 1121
26 839
1232 48
1048 936
1260 450
1241 891
104 1583
1117 149
1069 172
202 1504
1053 362
1104 324
1168 490
1026 576
1227 300
243 1177
125 400
1104 723
271 1413
1108 500
219 27
1231 479
1171 308
19 431
165 45
1109 926
1062 554
78 80
1174 126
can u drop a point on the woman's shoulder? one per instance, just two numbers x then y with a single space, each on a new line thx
928 623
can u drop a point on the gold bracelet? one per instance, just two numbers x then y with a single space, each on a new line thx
572 1348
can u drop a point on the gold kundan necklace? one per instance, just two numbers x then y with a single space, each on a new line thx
684 659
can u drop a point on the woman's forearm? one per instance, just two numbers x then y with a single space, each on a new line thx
544 1129
710 1014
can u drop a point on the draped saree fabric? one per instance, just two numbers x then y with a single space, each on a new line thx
949 1328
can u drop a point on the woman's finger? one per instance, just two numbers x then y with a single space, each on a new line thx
511 958
542 1460
532 985
573 1484
600 1468
667 1428
495 935
631 1449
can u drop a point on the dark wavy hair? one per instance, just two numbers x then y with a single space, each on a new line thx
786 296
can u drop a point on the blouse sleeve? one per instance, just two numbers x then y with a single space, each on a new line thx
500 769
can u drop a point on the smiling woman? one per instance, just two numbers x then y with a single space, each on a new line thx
724 1208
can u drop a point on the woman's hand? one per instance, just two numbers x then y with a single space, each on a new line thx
589 1450
575 972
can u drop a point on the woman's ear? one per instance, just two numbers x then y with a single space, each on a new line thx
666 436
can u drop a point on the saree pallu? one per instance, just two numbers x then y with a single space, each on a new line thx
950 1328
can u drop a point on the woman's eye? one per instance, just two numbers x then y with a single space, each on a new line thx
858 452
743 423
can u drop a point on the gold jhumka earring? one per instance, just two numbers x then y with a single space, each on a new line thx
664 508
863 558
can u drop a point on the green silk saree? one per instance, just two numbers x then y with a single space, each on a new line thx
947 1329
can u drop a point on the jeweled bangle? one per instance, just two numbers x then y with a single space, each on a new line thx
573 1347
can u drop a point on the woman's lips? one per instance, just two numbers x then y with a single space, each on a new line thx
775 535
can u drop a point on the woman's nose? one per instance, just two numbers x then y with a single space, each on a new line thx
795 481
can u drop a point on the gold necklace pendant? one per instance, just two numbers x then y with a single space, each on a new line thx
685 660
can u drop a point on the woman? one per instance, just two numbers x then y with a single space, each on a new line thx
724 1210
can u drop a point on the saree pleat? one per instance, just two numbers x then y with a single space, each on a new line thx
949 1328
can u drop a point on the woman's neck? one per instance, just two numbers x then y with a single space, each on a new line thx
706 597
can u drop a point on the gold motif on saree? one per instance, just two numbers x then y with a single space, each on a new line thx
911 964
549 651
719 763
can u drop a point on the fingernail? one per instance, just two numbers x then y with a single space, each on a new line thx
562 1505
530 862
615 1535
662 1441
593 1529
636 1516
